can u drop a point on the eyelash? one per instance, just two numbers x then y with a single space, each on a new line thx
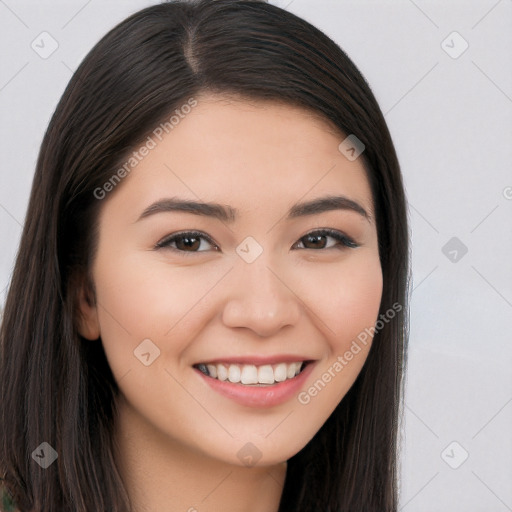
344 241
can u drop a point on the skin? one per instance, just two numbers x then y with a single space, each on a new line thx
178 439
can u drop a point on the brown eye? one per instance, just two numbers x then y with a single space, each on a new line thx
186 242
319 240
315 241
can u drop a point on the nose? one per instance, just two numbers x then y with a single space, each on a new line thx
260 299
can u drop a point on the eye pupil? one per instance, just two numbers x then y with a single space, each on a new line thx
314 239
189 242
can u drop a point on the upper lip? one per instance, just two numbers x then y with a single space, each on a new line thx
258 360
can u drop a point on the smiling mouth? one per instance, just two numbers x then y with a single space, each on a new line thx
252 375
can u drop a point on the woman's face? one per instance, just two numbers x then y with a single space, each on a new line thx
259 283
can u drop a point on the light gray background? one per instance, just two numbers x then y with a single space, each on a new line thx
451 121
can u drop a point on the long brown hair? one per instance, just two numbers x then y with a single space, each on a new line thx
57 389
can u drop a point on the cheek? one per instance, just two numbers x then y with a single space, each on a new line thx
348 305
347 300
137 301
140 290
144 298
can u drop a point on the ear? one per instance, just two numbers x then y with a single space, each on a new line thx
86 310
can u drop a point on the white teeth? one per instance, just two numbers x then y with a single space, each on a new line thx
265 374
280 372
234 373
249 374
212 369
222 372
252 374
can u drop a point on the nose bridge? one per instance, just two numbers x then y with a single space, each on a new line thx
259 297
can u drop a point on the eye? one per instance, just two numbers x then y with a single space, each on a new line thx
317 240
191 241
187 241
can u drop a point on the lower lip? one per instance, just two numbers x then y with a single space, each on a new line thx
259 396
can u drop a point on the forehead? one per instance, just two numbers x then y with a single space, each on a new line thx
245 153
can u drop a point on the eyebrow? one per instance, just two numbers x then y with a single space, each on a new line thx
228 214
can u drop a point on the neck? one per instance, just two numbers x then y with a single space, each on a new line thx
163 475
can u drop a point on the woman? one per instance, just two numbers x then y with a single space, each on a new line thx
216 253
